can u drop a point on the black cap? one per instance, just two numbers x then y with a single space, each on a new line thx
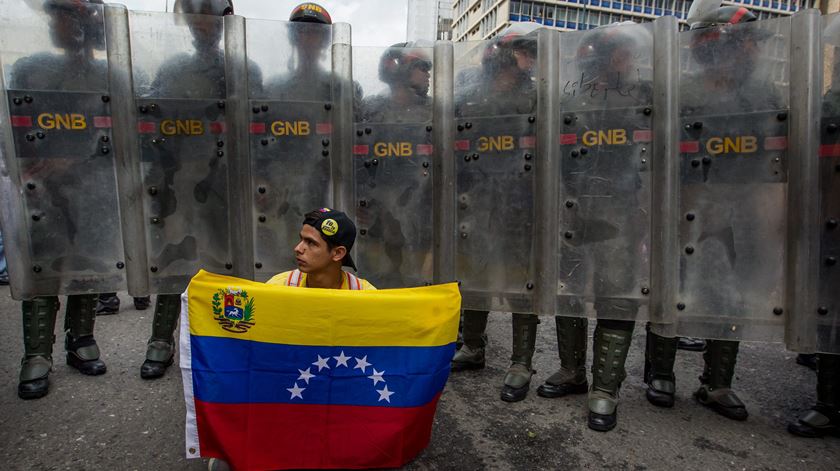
336 228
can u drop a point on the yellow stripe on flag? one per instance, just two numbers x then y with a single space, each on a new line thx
425 316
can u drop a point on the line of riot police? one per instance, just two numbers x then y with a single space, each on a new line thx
229 152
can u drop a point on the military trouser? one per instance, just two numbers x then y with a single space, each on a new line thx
39 315
161 345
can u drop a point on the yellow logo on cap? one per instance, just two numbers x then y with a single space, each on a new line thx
329 227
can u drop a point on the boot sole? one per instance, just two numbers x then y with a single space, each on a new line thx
576 389
29 396
76 364
603 428
514 395
166 364
664 403
725 412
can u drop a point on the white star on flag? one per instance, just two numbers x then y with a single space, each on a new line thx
361 363
297 390
306 375
342 360
322 363
384 394
377 376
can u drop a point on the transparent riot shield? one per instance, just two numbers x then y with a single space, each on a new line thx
291 129
60 214
495 106
605 148
179 78
392 155
733 181
828 298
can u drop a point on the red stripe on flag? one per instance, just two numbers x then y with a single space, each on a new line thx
775 143
297 436
689 147
361 149
462 144
568 139
21 121
146 127
425 149
102 122
217 127
830 150
527 142
642 135
323 128
257 128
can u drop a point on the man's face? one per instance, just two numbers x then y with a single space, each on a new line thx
312 253
419 80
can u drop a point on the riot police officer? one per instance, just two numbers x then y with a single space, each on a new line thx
76 29
823 418
396 187
505 86
306 75
197 75
609 226
405 67
716 89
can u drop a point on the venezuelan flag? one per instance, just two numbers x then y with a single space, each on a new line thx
280 377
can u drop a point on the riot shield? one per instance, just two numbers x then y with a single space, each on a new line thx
392 155
495 153
828 299
605 149
733 181
179 78
60 215
291 129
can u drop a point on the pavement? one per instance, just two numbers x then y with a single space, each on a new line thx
120 421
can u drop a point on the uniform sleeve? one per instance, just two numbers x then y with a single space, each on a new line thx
280 279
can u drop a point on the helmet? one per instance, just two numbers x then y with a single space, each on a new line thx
310 13
204 7
728 15
602 49
499 54
89 21
706 46
396 63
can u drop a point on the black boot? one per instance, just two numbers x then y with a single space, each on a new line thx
79 319
518 377
691 344
38 337
571 346
715 391
808 360
161 347
142 303
660 354
824 418
609 352
471 354
108 303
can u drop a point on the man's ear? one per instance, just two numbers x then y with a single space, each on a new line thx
339 253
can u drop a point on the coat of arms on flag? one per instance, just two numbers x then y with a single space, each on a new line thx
326 379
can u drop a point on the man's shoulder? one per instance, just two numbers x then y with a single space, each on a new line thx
279 279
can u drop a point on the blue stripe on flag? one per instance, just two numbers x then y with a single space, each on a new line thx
234 371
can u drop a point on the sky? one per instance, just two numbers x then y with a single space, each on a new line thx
374 22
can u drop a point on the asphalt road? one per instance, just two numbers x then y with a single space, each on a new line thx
119 421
